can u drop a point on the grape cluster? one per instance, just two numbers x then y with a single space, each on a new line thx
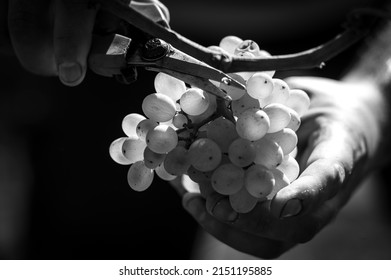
244 148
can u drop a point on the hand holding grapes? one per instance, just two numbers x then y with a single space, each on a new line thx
339 142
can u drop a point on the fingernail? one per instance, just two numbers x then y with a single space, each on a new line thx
291 208
70 72
224 212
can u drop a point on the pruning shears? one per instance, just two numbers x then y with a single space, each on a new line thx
119 55
116 55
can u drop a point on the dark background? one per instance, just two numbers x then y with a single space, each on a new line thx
62 197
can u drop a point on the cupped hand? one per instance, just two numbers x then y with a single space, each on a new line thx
53 37
339 143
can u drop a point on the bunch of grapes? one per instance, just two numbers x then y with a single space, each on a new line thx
244 148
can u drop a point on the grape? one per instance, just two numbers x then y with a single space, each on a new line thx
252 124
267 153
294 152
228 179
158 107
223 132
248 46
129 123
244 103
229 43
234 92
163 174
194 101
259 85
170 86
199 176
209 111
279 116
133 149
259 181
189 185
116 152
179 120
298 101
281 182
177 161
205 154
290 167
162 139
242 201
152 159
143 127
295 121
286 138
241 152
140 177
280 93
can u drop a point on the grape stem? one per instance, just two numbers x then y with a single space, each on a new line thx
358 25
221 111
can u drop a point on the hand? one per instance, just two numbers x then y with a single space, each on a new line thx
339 142
53 37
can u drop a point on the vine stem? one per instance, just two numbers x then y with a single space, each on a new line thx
221 111
359 25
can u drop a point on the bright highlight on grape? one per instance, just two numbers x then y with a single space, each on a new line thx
243 149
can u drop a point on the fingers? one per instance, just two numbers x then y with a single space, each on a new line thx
42 50
234 237
30 32
73 26
331 155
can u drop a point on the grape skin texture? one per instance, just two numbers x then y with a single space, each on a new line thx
205 154
252 124
177 161
194 102
259 85
286 138
279 116
162 173
259 181
228 179
241 152
152 159
223 132
242 201
162 139
170 86
130 122
133 149
158 107
143 127
268 153
115 151
139 176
